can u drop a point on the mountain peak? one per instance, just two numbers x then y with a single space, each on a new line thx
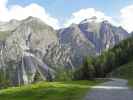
94 19
31 18
34 20
120 27
87 20
14 21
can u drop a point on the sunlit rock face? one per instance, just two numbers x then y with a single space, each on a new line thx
30 48
24 48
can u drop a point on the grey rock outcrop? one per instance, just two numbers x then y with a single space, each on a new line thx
22 48
100 35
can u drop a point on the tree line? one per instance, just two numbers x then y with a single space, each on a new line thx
100 66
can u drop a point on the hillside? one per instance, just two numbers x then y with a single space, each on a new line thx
108 61
124 71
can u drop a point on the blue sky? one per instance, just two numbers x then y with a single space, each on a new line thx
64 8
62 13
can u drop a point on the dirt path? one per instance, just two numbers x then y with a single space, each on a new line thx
116 89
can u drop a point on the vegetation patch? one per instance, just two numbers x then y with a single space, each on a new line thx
72 90
108 61
130 82
125 71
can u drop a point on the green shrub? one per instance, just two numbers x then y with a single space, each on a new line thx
86 71
63 74
4 81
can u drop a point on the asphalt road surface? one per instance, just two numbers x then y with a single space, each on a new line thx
116 89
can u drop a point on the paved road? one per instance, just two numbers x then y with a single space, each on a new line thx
116 89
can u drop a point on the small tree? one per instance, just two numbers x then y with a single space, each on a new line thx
37 77
87 70
64 74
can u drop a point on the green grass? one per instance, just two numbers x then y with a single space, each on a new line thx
125 71
74 90
130 82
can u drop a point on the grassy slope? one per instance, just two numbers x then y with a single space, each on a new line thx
130 82
126 72
48 91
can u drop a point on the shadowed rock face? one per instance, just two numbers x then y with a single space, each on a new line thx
100 35
30 47
74 39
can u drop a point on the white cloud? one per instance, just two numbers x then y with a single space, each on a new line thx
18 12
126 18
82 14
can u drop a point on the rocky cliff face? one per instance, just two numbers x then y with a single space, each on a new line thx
24 48
30 47
73 38
100 35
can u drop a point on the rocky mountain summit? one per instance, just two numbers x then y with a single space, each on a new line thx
30 47
101 35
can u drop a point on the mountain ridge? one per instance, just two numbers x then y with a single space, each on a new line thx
34 47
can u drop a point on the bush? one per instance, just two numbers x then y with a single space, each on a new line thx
63 74
86 71
4 81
